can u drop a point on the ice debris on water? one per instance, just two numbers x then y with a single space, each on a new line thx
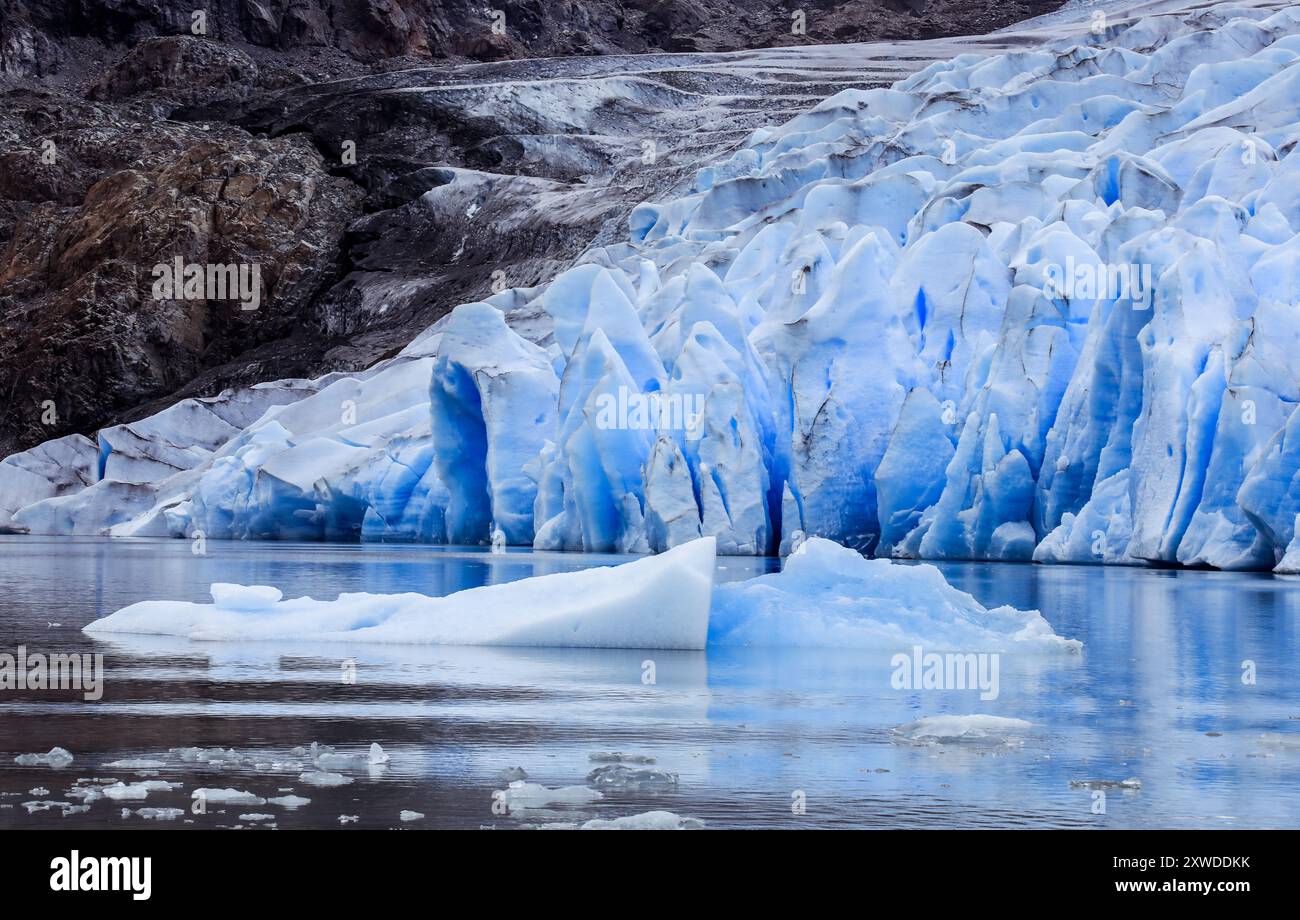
976 730
618 757
227 797
512 774
255 816
620 778
521 795
57 758
406 815
289 801
324 778
137 763
349 819
132 791
1131 783
65 808
646 821
160 814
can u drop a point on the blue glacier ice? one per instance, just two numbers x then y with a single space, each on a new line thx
1036 305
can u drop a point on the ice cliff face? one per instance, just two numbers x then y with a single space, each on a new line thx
1035 305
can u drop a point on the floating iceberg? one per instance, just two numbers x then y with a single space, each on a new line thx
656 602
830 596
827 595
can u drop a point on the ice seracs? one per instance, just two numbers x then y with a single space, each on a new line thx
1037 305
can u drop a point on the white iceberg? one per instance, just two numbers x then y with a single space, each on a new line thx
830 596
656 602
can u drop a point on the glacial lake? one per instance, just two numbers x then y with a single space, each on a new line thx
780 738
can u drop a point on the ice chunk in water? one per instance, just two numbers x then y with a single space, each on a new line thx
135 791
971 729
619 778
227 797
646 821
58 758
289 801
521 795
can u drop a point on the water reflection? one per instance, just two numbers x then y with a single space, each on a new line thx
1158 695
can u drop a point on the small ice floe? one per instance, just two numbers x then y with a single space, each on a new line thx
256 816
124 792
646 821
521 795
87 794
618 757
289 801
1131 783
333 760
410 815
136 764
324 778
66 808
279 766
227 797
976 730
57 758
349 819
620 778
512 775
159 814
209 756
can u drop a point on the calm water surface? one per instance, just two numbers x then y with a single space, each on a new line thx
1157 695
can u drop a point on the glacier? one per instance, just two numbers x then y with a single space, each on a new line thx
1037 305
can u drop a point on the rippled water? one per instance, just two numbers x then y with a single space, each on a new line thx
1157 695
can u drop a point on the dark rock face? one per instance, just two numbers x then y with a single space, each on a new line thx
374 191
83 232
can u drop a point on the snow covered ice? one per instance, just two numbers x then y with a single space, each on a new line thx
1071 270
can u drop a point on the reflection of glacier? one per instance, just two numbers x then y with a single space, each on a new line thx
861 298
